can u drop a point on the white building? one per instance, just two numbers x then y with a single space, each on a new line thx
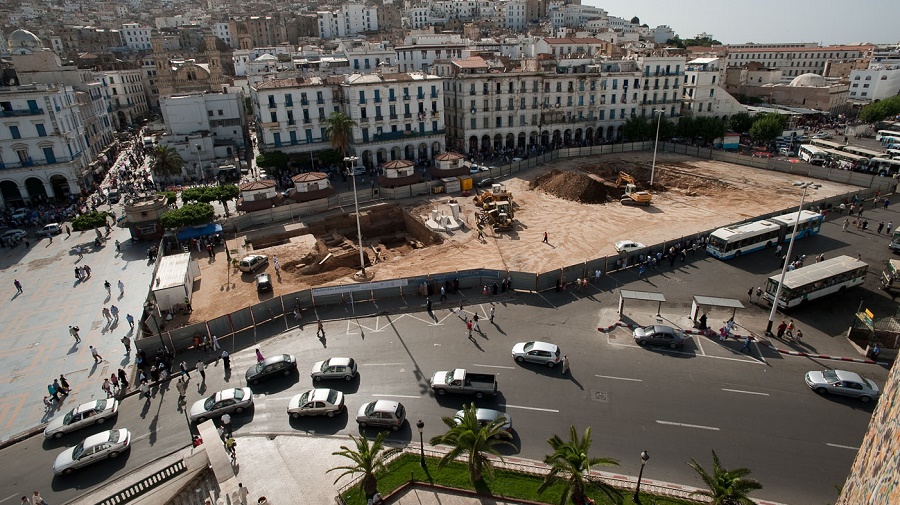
661 34
223 31
877 82
514 15
794 59
421 56
136 37
364 56
125 92
291 113
351 19
703 91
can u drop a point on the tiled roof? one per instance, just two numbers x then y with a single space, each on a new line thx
253 185
309 177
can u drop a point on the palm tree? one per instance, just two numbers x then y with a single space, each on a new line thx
726 487
571 464
339 131
166 161
367 460
468 436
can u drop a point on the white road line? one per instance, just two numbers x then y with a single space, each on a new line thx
699 344
495 366
619 378
135 439
683 425
839 446
739 360
400 396
380 364
528 408
546 300
745 392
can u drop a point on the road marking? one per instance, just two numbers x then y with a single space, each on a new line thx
135 439
739 360
839 446
546 300
528 408
381 364
400 396
683 425
495 366
619 378
745 392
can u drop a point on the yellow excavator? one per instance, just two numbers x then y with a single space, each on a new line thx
632 195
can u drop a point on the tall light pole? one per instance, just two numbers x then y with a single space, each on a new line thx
199 148
655 144
637 490
351 160
785 265
421 426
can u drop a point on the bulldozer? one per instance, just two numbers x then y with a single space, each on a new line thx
632 195
495 208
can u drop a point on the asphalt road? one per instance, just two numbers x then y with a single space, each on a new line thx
753 412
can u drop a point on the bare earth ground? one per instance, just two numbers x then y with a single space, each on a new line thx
689 196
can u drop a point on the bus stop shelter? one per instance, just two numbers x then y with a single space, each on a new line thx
646 296
714 301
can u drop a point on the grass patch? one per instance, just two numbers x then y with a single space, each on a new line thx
503 483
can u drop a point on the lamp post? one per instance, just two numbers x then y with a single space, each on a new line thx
790 249
655 144
362 261
199 148
637 490
421 426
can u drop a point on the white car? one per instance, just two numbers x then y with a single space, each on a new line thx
626 246
316 402
107 444
86 414
14 234
49 230
334 368
234 400
486 417
543 353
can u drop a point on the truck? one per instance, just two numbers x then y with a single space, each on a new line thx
464 382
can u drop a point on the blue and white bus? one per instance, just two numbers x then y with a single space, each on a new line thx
807 283
734 241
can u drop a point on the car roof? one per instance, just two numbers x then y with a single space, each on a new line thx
227 394
386 405
278 358
661 328
84 407
99 438
849 376
319 395
543 346
339 361
251 256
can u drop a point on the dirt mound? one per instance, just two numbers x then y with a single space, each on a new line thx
573 186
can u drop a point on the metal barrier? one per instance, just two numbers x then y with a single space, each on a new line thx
146 484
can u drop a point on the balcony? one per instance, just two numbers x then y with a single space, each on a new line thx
304 102
406 97
320 101
404 135
435 114
379 118
291 122
39 162
273 105
288 104
362 101
377 100
392 116
407 116
392 99
420 97
363 120
307 120
434 95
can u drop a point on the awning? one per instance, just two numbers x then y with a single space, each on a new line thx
199 231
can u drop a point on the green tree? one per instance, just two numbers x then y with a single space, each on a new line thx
208 194
166 161
726 487
467 436
330 157
710 129
339 131
171 196
275 160
192 214
880 110
767 127
638 129
367 460
687 128
740 122
89 221
676 41
571 465
666 128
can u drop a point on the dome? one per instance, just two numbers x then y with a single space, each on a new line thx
24 38
809 81
266 57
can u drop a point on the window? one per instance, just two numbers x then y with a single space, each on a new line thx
41 131
14 132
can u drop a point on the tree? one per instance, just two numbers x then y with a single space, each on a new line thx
166 161
666 128
367 460
638 129
767 127
192 214
726 487
710 129
208 194
740 122
878 111
171 196
339 131
89 221
330 157
687 128
571 465
276 160
467 436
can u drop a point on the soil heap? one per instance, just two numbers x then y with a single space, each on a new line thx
574 186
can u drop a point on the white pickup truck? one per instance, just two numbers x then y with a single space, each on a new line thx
463 382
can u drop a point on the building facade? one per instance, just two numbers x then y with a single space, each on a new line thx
877 82
290 113
795 59
127 98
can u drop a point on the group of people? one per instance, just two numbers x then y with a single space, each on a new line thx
58 387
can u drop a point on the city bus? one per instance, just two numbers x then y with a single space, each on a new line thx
811 154
853 159
868 153
820 279
890 277
895 242
883 167
881 134
827 144
734 241
894 153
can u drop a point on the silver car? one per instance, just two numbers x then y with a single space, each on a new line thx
657 334
316 402
543 353
841 382
227 401
382 414
334 368
252 262
486 417
86 414
108 444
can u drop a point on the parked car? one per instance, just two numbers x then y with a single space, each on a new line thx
657 334
229 400
543 353
485 183
107 444
486 417
281 364
625 246
49 230
334 368
263 283
113 196
359 171
14 234
381 414
841 382
823 136
253 262
19 214
316 402
86 414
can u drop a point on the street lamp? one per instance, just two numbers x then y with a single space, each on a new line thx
655 144
637 490
785 265
199 148
362 262
421 426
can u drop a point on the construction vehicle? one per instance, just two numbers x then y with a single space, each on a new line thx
632 196
495 208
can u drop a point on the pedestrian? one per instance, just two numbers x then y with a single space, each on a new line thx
107 314
95 354
201 369
443 294
123 378
778 250
37 500
73 330
275 264
845 225
890 226
145 390
78 273
106 387
114 311
461 310
215 343
53 392
469 328
108 287
597 274
259 356
746 345
181 387
565 364
130 319
475 323
226 423
758 293
880 227
127 343
79 252
18 284
886 202
184 369
428 305
242 493
114 382
226 361
64 383
59 388
875 351
750 294
492 315
68 231
121 288
546 238
118 247
641 271
87 271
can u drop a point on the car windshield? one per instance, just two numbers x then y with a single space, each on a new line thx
208 404
69 416
101 405
325 365
304 398
78 450
830 376
528 346
370 408
114 435
238 394
869 384
332 397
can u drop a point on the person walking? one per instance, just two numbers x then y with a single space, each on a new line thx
184 369
106 387
73 330
201 369
114 311
107 314
123 379
121 288
546 238
108 287
37 500
565 364
79 252
890 226
18 284
53 392
226 423
95 354
758 294
181 387
320 328
469 328
750 294
127 343
242 493
130 319
880 227
475 323
114 383
746 346
87 271
59 387
226 361
215 343
443 294
64 383
259 356
492 315
145 390
845 225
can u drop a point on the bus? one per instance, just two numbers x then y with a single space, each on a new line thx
853 159
827 144
894 153
881 134
820 279
811 154
895 242
868 153
890 277
885 168
733 241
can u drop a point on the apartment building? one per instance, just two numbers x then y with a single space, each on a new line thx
127 98
349 20
795 59
136 37
703 93
290 113
877 82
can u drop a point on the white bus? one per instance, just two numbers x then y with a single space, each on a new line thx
811 154
879 136
833 275
883 167
853 159
894 153
827 144
734 241
868 153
